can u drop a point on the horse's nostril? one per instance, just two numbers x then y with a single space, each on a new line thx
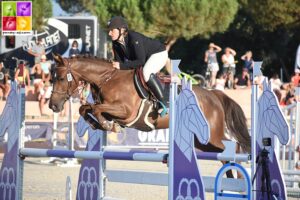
54 107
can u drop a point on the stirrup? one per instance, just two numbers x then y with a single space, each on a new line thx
163 110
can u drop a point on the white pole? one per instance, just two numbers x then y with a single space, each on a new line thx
20 162
297 129
173 94
254 96
71 126
54 135
102 166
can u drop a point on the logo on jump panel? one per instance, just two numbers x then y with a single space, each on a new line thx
16 17
185 190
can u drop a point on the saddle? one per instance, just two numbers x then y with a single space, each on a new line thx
148 99
144 91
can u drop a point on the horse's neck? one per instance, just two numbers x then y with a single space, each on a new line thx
92 72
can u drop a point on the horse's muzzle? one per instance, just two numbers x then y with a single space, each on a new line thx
54 108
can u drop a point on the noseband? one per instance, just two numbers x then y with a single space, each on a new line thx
70 79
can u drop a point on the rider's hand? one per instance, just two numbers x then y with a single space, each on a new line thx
116 65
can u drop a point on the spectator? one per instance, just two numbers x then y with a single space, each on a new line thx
74 51
229 63
278 94
46 67
296 78
4 84
44 96
242 80
37 51
276 82
248 62
290 94
220 82
38 79
212 62
22 74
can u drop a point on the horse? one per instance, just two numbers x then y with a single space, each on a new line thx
117 102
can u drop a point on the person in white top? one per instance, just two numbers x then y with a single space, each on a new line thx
229 63
276 82
220 82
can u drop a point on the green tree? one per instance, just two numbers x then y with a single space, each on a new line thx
273 14
170 19
41 10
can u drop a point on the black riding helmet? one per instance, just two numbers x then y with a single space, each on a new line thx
117 22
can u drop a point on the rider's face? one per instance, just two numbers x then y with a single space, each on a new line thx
114 34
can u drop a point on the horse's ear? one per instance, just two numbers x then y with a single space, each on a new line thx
58 58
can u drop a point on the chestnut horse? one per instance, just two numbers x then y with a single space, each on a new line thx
118 103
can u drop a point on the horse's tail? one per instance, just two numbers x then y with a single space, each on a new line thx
235 120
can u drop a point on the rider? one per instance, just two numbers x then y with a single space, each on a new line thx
132 49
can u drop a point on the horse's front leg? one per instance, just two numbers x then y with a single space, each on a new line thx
117 111
85 111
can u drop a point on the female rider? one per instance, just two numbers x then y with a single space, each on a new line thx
132 49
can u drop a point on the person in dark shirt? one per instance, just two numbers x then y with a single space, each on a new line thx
74 51
132 49
242 80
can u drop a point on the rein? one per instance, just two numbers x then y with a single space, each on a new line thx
107 77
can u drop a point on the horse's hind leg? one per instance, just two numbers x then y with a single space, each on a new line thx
212 148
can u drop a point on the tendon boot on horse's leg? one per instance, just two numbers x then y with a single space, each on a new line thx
106 124
155 87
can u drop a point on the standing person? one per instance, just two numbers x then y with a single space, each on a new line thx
22 74
37 51
229 65
74 51
132 49
212 63
38 79
296 78
4 84
46 67
44 96
248 62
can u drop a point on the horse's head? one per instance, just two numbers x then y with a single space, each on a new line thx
271 121
64 82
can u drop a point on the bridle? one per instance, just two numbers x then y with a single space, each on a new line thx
70 77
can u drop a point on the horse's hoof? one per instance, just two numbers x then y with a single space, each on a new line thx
116 128
108 125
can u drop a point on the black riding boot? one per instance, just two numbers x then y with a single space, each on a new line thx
155 86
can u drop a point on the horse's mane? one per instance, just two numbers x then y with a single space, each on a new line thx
90 57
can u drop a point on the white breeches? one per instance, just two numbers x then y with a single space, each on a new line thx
154 64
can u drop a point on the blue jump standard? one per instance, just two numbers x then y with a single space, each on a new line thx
129 154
